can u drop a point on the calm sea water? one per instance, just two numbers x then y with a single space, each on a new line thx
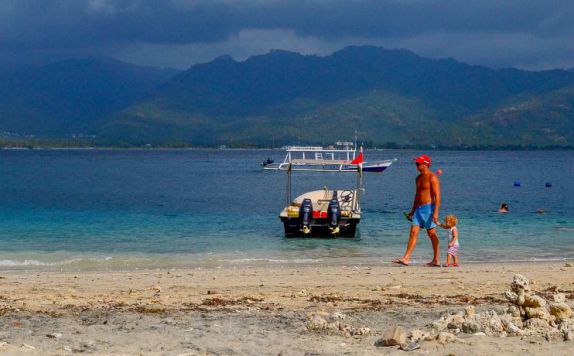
143 209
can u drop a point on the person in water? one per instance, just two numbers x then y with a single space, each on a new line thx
424 212
503 208
450 222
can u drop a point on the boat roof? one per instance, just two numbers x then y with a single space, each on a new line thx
345 147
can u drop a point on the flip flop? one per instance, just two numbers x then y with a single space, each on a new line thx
410 347
430 264
400 262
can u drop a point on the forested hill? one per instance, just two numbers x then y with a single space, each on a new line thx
70 96
388 96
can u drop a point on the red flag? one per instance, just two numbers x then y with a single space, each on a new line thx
358 159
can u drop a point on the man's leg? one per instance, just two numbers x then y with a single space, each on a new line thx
435 244
413 236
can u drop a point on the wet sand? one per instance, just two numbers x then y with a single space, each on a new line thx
259 309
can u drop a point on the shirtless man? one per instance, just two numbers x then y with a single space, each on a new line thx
424 213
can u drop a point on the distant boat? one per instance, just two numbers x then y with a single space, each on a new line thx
267 162
325 212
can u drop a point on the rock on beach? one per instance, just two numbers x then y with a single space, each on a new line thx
393 336
528 315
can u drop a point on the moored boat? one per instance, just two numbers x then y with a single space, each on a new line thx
326 212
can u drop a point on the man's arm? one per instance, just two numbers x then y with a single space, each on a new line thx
435 195
415 204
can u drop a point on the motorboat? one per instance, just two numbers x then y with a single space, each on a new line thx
325 212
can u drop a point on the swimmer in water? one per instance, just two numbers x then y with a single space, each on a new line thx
503 208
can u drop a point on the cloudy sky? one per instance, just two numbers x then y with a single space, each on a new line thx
178 33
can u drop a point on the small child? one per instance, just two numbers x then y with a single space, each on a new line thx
450 222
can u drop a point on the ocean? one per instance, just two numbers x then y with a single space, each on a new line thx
138 209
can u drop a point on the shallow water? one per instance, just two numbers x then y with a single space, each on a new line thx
82 209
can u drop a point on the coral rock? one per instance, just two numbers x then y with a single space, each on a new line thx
521 299
537 326
469 310
495 325
316 322
540 313
439 325
560 310
511 296
455 321
553 334
559 298
514 311
362 331
470 327
337 316
520 283
417 335
444 338
509 326
534 301
393 336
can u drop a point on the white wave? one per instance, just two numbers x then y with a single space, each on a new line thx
268 260
19 263
14 263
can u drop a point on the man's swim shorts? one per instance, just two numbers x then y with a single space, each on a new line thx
423 216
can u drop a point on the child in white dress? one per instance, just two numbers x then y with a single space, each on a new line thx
450 222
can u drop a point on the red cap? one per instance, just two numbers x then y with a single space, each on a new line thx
423 159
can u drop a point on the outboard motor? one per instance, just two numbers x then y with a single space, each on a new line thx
334 214
306 215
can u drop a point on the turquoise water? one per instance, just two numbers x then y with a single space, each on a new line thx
82 209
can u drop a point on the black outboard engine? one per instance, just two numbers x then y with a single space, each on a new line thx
334 214
306 215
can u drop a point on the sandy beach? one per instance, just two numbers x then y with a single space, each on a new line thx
262 309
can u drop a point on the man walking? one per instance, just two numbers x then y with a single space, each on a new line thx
424 213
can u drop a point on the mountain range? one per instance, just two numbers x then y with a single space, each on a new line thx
389 97
71 96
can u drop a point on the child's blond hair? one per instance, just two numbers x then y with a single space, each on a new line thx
451 220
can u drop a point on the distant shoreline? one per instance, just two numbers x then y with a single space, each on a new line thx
255 148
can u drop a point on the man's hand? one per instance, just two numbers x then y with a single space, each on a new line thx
435 218
410 216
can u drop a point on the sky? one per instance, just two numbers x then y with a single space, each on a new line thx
525 34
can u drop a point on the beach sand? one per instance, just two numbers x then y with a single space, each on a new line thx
261 309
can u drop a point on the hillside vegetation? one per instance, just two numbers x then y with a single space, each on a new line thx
391 97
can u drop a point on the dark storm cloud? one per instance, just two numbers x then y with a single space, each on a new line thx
68 27
84 23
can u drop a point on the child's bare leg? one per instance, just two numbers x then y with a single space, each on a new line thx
455 260
448 259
